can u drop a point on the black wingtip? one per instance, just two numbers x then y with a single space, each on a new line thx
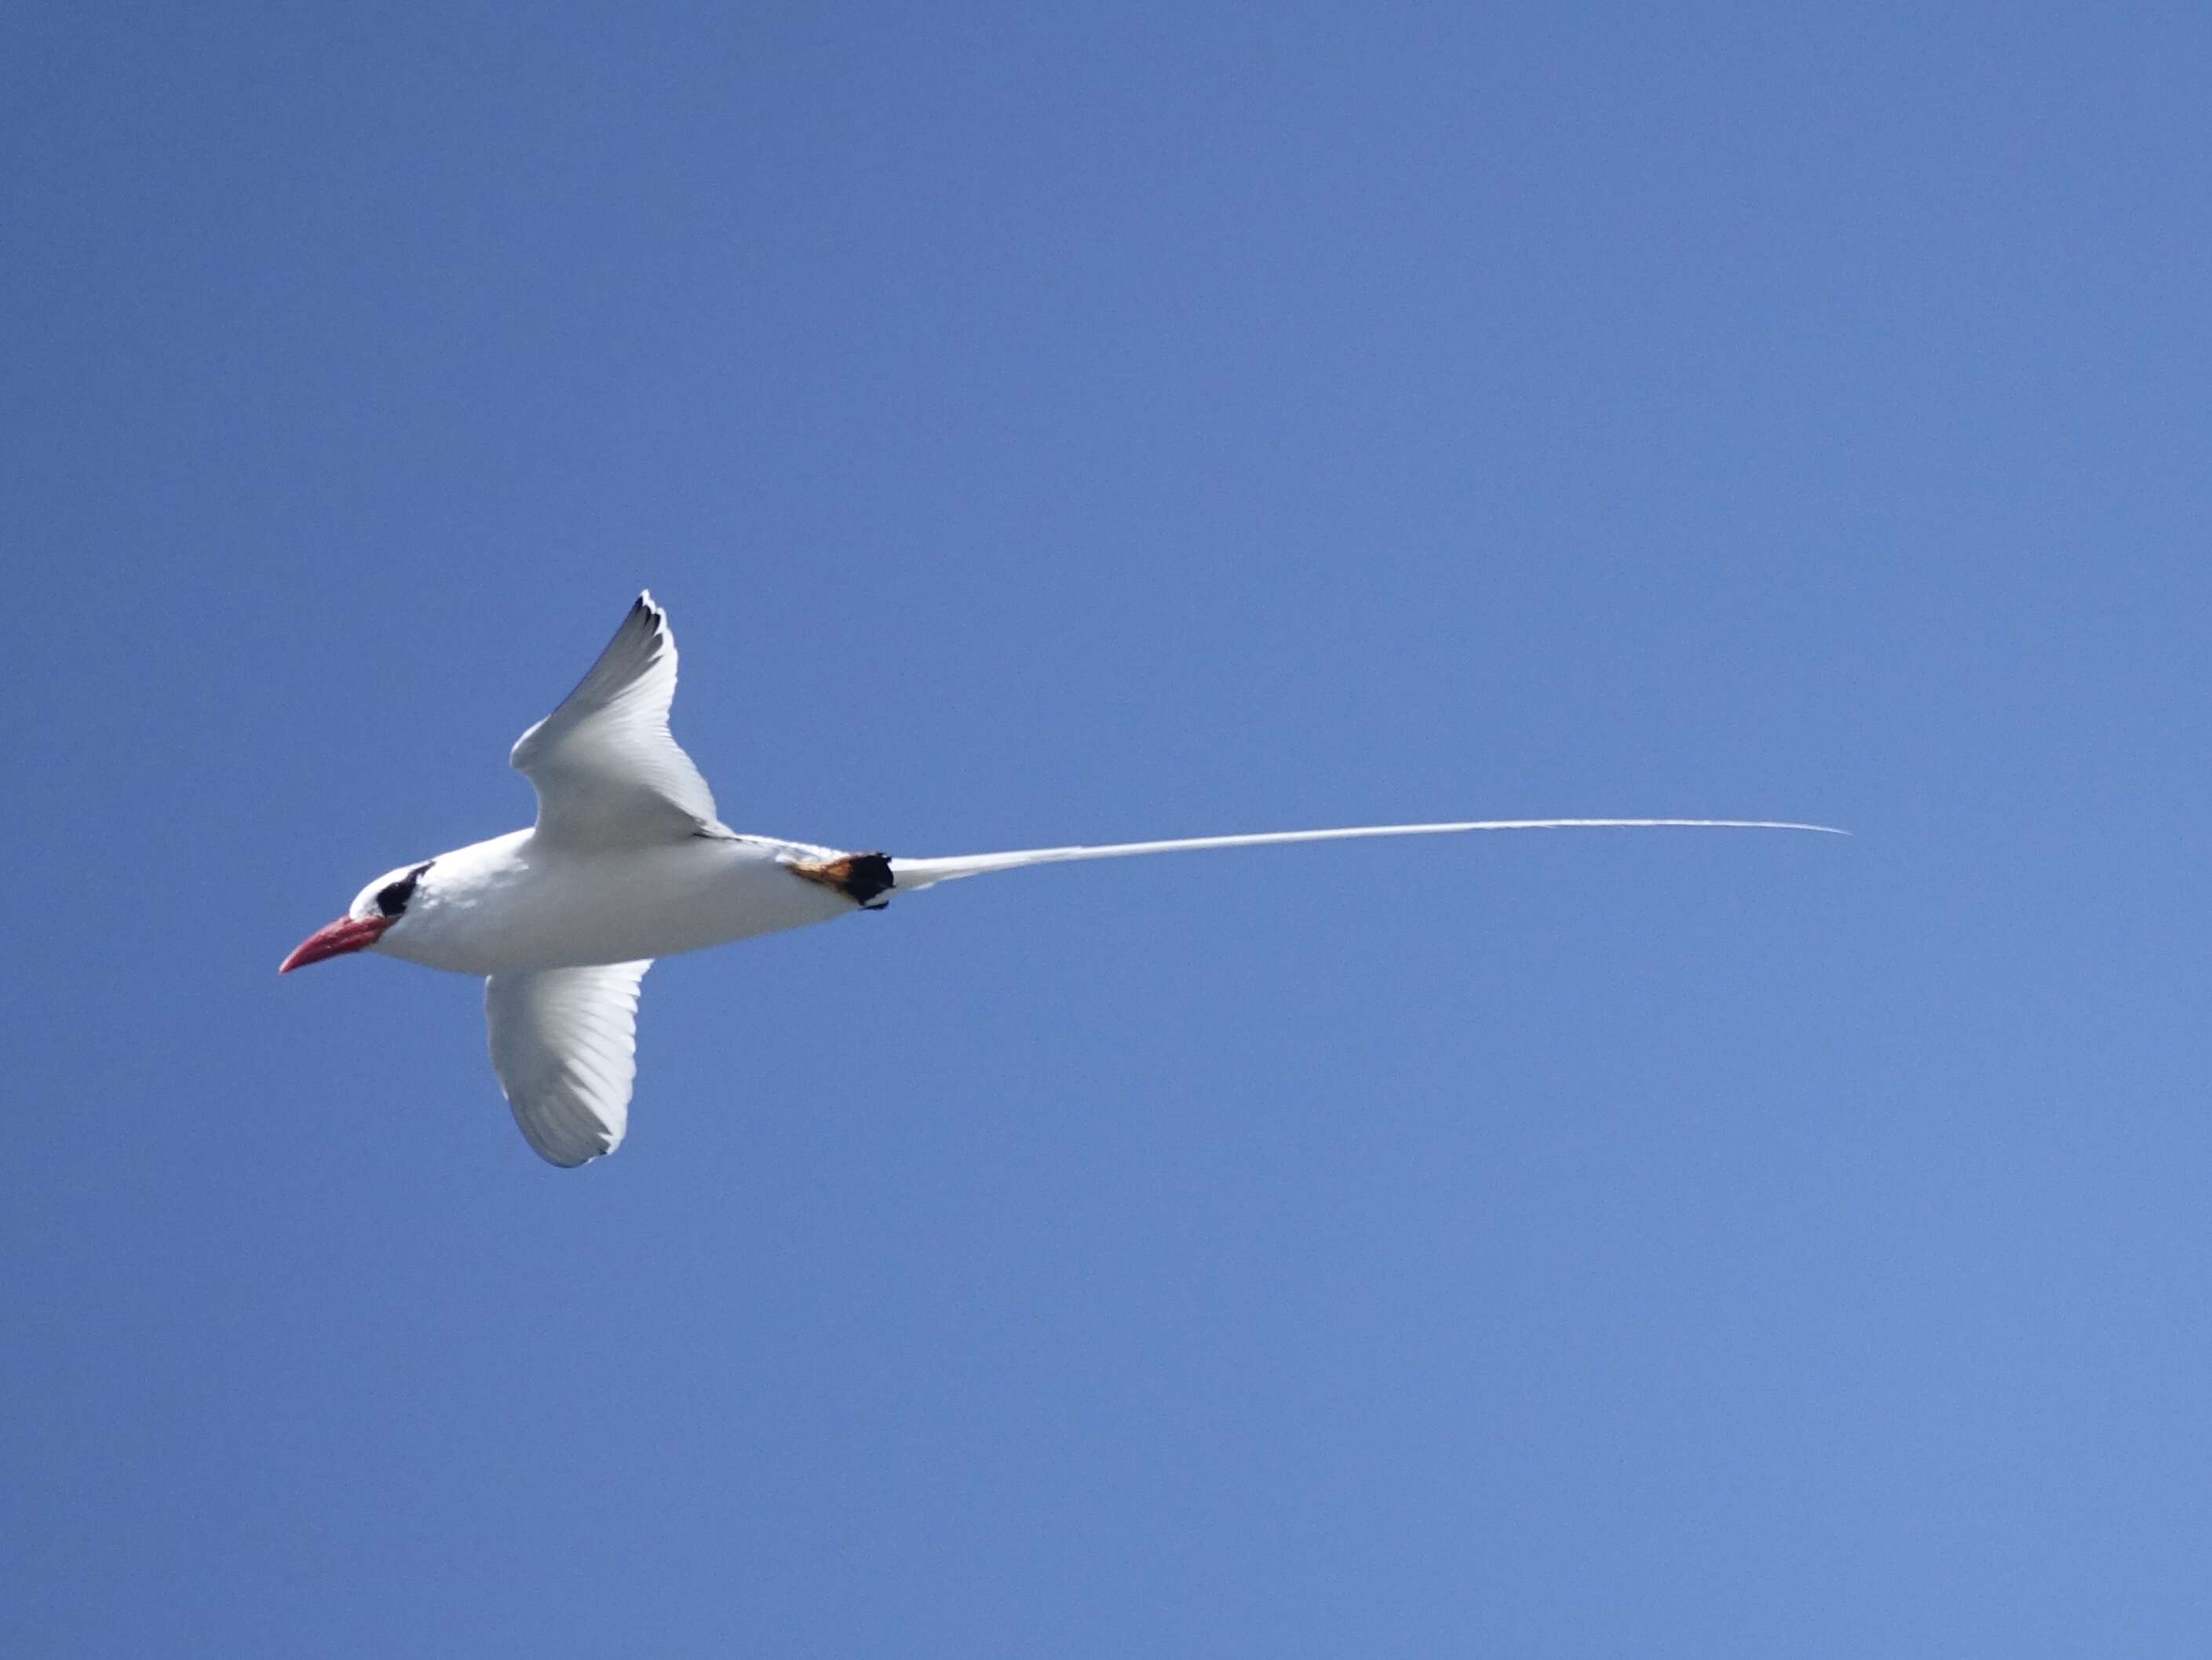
647 617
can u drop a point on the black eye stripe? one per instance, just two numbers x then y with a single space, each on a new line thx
392 899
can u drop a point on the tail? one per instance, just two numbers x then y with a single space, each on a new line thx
911 875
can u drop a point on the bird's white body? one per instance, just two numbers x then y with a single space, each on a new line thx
628 862
516 902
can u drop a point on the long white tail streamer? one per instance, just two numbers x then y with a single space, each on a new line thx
910 875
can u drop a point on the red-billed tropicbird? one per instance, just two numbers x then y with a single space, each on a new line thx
628 862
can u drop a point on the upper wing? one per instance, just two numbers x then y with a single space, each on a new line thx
564 1045
910 874
605 769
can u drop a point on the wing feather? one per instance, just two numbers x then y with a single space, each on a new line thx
606 771
564 1045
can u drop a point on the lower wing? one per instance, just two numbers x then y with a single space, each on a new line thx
564 1045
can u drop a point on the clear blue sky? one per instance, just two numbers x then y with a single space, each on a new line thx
1045 426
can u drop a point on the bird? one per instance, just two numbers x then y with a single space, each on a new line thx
628 862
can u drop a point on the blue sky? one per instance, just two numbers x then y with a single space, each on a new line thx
1158 421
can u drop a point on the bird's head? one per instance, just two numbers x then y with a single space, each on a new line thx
376 911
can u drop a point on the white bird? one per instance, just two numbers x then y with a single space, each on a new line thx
628 862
